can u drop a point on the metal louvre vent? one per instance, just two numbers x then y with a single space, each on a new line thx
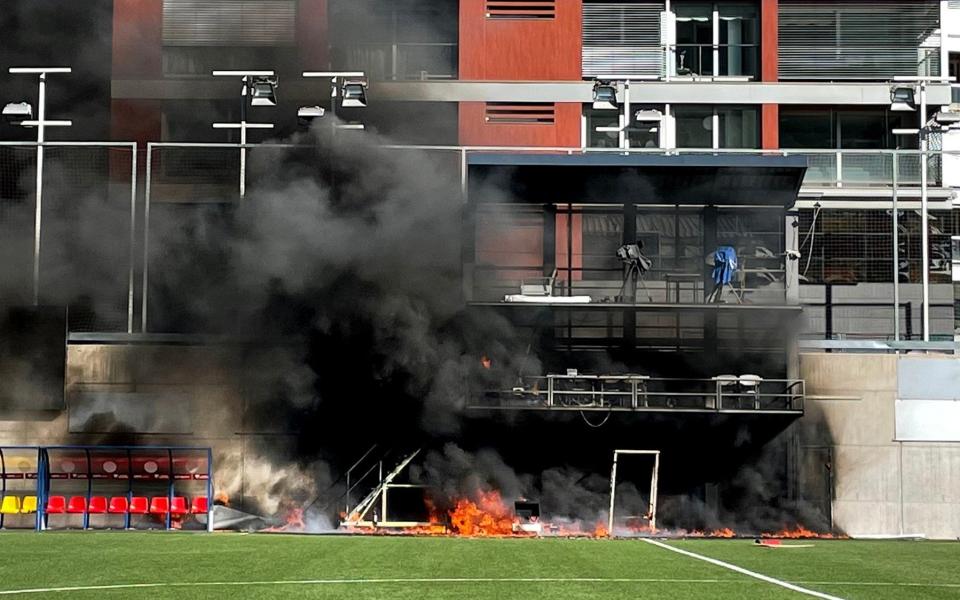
521 9
509 112
229 22
858 40
622 39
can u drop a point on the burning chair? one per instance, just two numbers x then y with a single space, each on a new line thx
527 517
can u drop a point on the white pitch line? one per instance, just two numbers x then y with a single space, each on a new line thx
182 584
126 586
741 570
881 584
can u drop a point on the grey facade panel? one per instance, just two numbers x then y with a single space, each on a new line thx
928 379
229 22
858 40
622 39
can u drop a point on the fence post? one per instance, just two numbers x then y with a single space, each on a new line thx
146 238
133 234
896 251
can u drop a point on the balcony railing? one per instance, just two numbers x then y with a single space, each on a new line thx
866 168
699 60
640 393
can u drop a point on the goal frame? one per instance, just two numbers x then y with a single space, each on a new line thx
653 484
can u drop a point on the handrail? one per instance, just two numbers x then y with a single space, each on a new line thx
633 392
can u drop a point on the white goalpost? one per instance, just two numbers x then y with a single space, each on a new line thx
653 485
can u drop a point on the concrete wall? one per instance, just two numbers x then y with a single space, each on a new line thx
878 484
191 402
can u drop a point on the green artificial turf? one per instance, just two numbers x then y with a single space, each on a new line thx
69 559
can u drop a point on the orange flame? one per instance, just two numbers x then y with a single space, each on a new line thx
724 532
798 532
601 531
489 516
221 498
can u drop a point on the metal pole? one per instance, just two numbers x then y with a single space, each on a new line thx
333 105
210 490
625 117
896 250
613 493
133 235
925 226
653 491
41 118
243 139
146 239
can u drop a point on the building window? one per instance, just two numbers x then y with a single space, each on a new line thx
401 40
704 126
845 128
643 131
716 39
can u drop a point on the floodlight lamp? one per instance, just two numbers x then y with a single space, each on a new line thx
902 99
604 96
648 115
307 114
354 93
946 118
263 91
16 113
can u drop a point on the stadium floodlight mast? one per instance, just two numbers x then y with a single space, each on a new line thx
903 95
259 89
350 86
21 113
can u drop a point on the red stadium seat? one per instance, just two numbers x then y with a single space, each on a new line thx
56 505
200 505
178 506
138 505
118 505
77 505
98 505
159 505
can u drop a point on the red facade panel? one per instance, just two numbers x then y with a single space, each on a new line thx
508 49
769 55
312 41
135 120
137 39
770 126
475 130
769 39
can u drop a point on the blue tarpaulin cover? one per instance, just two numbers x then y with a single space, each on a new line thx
724 265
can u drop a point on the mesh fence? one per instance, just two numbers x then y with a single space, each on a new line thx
847 273
85 224
17 206
195 193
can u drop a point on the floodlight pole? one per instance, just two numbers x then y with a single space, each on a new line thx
924 132
245 77
41 123
924 207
